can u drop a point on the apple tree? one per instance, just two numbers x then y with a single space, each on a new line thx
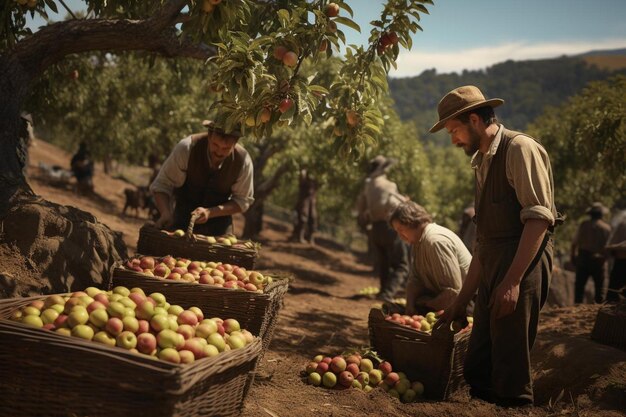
255 50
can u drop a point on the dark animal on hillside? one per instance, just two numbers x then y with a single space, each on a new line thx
135 199
140 199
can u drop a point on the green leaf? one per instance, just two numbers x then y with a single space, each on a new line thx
52 5
283 17
348 22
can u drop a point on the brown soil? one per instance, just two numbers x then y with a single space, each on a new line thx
322 315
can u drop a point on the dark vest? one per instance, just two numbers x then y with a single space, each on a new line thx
497 207
206 187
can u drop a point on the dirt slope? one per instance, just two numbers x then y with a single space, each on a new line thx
322 315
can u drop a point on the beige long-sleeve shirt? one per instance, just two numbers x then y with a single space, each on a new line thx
174 172
379 197
528 171
439 265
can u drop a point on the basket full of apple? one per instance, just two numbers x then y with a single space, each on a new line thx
254 298
226 248
121 352
432 356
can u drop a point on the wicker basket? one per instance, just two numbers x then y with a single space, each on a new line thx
434 359
610 326
152 241
255 312
45 373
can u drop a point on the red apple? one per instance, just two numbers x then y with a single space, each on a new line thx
385 368
285 105
290 58
346 378
146 343
331 10
279 52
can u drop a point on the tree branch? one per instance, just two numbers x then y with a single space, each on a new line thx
155 34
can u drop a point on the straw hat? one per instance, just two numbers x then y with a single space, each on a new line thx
459 101
213 127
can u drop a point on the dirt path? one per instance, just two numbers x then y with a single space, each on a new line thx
321 315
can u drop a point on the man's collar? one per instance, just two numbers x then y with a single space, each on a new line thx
478 157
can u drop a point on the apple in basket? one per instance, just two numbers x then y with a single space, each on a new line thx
211 240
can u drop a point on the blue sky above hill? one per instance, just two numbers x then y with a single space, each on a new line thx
474 34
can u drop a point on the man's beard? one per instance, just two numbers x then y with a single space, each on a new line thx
474 142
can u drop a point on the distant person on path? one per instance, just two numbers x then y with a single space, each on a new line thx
467 229
306 210
588 253
439 259
208 174
380 197
512 263
617 250
83 168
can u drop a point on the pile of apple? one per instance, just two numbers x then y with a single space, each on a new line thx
225 240
423 323
196 272
131 320
342 372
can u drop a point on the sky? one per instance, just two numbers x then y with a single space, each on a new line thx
475 34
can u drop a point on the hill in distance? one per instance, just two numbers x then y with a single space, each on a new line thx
528 87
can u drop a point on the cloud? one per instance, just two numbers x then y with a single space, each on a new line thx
413 63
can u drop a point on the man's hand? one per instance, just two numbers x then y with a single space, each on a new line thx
454 311
504 299
165 221
202 213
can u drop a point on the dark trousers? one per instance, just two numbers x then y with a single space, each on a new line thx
588 265
392 259
617 281
497 365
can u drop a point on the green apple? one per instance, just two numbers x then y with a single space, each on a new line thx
126 340
128 302
104 338
99 317
82 331
314 379
78 316
175 310
366 365
168 338
49 315
418 387
32 321
131 324
145 310
92 291
236 341
123 291
376 375
115 297
63 331
116 309
217 340
408 396
329 379
206 328
173 321
159 322
210 351
169 355
31 311
158 298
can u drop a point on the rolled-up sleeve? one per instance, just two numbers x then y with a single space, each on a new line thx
243 187
529 172
173 172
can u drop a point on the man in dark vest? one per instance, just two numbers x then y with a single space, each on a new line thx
208 174
512 263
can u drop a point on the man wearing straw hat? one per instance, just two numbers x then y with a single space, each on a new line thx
207 174
512 263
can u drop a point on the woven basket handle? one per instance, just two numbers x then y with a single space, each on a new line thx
192 222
